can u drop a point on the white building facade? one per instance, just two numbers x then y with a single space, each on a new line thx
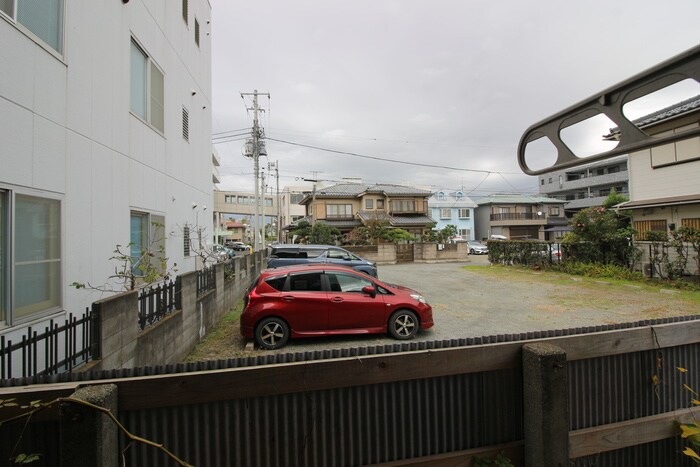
105 123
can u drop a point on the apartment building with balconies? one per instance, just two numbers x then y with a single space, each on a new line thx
520 217
588 185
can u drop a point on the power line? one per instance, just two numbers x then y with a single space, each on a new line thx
395 161
230 131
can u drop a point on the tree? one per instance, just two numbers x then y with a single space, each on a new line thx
323 234
398 236
302 232
602 235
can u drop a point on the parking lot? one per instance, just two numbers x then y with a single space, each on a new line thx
471 301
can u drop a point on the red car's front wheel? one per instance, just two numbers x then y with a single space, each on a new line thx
403 324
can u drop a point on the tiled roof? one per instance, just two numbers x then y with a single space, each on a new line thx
352 190
671 111
398 221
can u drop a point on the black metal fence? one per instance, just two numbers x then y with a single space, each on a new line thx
156 302
206 280
58 349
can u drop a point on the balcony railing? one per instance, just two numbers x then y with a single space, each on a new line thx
517 216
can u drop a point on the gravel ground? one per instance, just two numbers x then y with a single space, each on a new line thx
473 298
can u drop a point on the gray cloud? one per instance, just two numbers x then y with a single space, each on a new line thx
449 82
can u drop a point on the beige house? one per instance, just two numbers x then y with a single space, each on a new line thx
349 205
665 180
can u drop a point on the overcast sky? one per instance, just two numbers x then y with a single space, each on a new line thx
448 83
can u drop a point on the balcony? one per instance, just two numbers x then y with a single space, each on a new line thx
517 216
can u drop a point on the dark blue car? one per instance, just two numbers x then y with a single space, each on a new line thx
286 255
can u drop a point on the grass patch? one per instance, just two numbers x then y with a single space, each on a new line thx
222 342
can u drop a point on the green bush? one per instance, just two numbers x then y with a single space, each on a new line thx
598 270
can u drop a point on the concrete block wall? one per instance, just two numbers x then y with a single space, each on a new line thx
170 340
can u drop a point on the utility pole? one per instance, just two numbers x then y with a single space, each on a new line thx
257 150
270 166
313 196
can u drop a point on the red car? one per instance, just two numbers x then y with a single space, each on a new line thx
321 300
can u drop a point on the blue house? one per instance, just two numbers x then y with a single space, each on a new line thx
452 207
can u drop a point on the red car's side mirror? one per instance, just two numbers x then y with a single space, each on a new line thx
369 290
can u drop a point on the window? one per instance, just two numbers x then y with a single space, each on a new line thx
459 196
445 213
380 204
277 283
693 222
147 88
196 32
339 210
369 203
185 10
294 198
147 240
44 19
550 179
464 213
403 205
441 196
310 282
347 283
268 201
186 240
185 124
31 265
643 227
554 211
542 181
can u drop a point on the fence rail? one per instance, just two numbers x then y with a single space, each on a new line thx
59 348
156 302
206 280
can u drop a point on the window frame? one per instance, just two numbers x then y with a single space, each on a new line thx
150 236
150 101
461 211
10 259
445 213
27 31
347 211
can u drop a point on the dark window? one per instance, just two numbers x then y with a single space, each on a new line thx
186 240
309 282
277 283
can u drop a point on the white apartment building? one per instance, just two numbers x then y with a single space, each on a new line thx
105 123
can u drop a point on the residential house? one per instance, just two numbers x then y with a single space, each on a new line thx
105 123
349 205
587 185
665 180
453 208
520 217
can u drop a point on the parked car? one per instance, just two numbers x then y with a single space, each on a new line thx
222 253
237 246
308 300
457 239
477 248
286 254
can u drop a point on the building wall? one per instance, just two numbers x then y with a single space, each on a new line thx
668 170
68 132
